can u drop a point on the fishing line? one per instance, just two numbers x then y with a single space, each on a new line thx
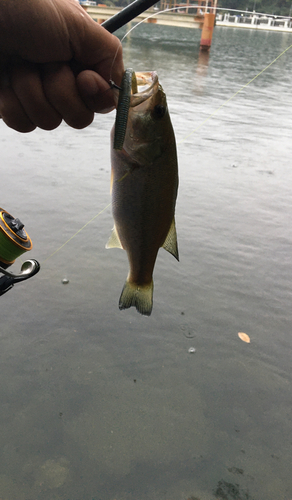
230 98
77 232
234 95
189 134
143 21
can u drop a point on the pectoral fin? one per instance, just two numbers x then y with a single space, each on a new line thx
170 243
114 240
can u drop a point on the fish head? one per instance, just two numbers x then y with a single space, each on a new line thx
148 123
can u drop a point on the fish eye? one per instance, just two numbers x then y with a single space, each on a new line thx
159 110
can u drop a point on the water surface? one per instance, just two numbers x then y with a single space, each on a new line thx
102 404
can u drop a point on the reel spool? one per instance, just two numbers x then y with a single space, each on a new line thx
14 241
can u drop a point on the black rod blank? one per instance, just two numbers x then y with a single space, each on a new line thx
127 14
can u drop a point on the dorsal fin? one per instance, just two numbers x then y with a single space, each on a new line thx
170 243
114 240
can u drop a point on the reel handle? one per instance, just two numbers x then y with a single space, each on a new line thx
28 269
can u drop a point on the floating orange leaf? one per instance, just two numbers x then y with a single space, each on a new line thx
244 337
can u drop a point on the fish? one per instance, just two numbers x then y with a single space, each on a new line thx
144 186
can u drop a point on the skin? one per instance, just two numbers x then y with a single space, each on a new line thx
55 64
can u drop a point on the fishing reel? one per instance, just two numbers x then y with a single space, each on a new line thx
14 241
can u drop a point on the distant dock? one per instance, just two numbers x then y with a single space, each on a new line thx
264 22
101 14
236 19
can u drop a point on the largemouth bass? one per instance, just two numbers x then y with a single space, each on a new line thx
144 190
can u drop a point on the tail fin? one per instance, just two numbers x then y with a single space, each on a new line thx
140 296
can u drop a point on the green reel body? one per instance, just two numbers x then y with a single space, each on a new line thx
14 240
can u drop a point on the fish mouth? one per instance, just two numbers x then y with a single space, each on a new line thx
147 84
137 88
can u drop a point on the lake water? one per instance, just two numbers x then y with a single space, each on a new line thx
99 404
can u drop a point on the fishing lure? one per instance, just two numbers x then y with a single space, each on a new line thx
128 87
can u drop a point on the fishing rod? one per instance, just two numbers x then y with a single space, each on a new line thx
127 14
14 241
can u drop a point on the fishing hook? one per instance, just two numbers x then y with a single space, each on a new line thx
113 85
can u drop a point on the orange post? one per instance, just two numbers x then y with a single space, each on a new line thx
207 31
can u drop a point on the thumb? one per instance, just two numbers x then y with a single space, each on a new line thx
95 92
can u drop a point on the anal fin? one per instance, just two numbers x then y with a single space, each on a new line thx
170 243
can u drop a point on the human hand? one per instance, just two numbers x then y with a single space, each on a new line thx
55 64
